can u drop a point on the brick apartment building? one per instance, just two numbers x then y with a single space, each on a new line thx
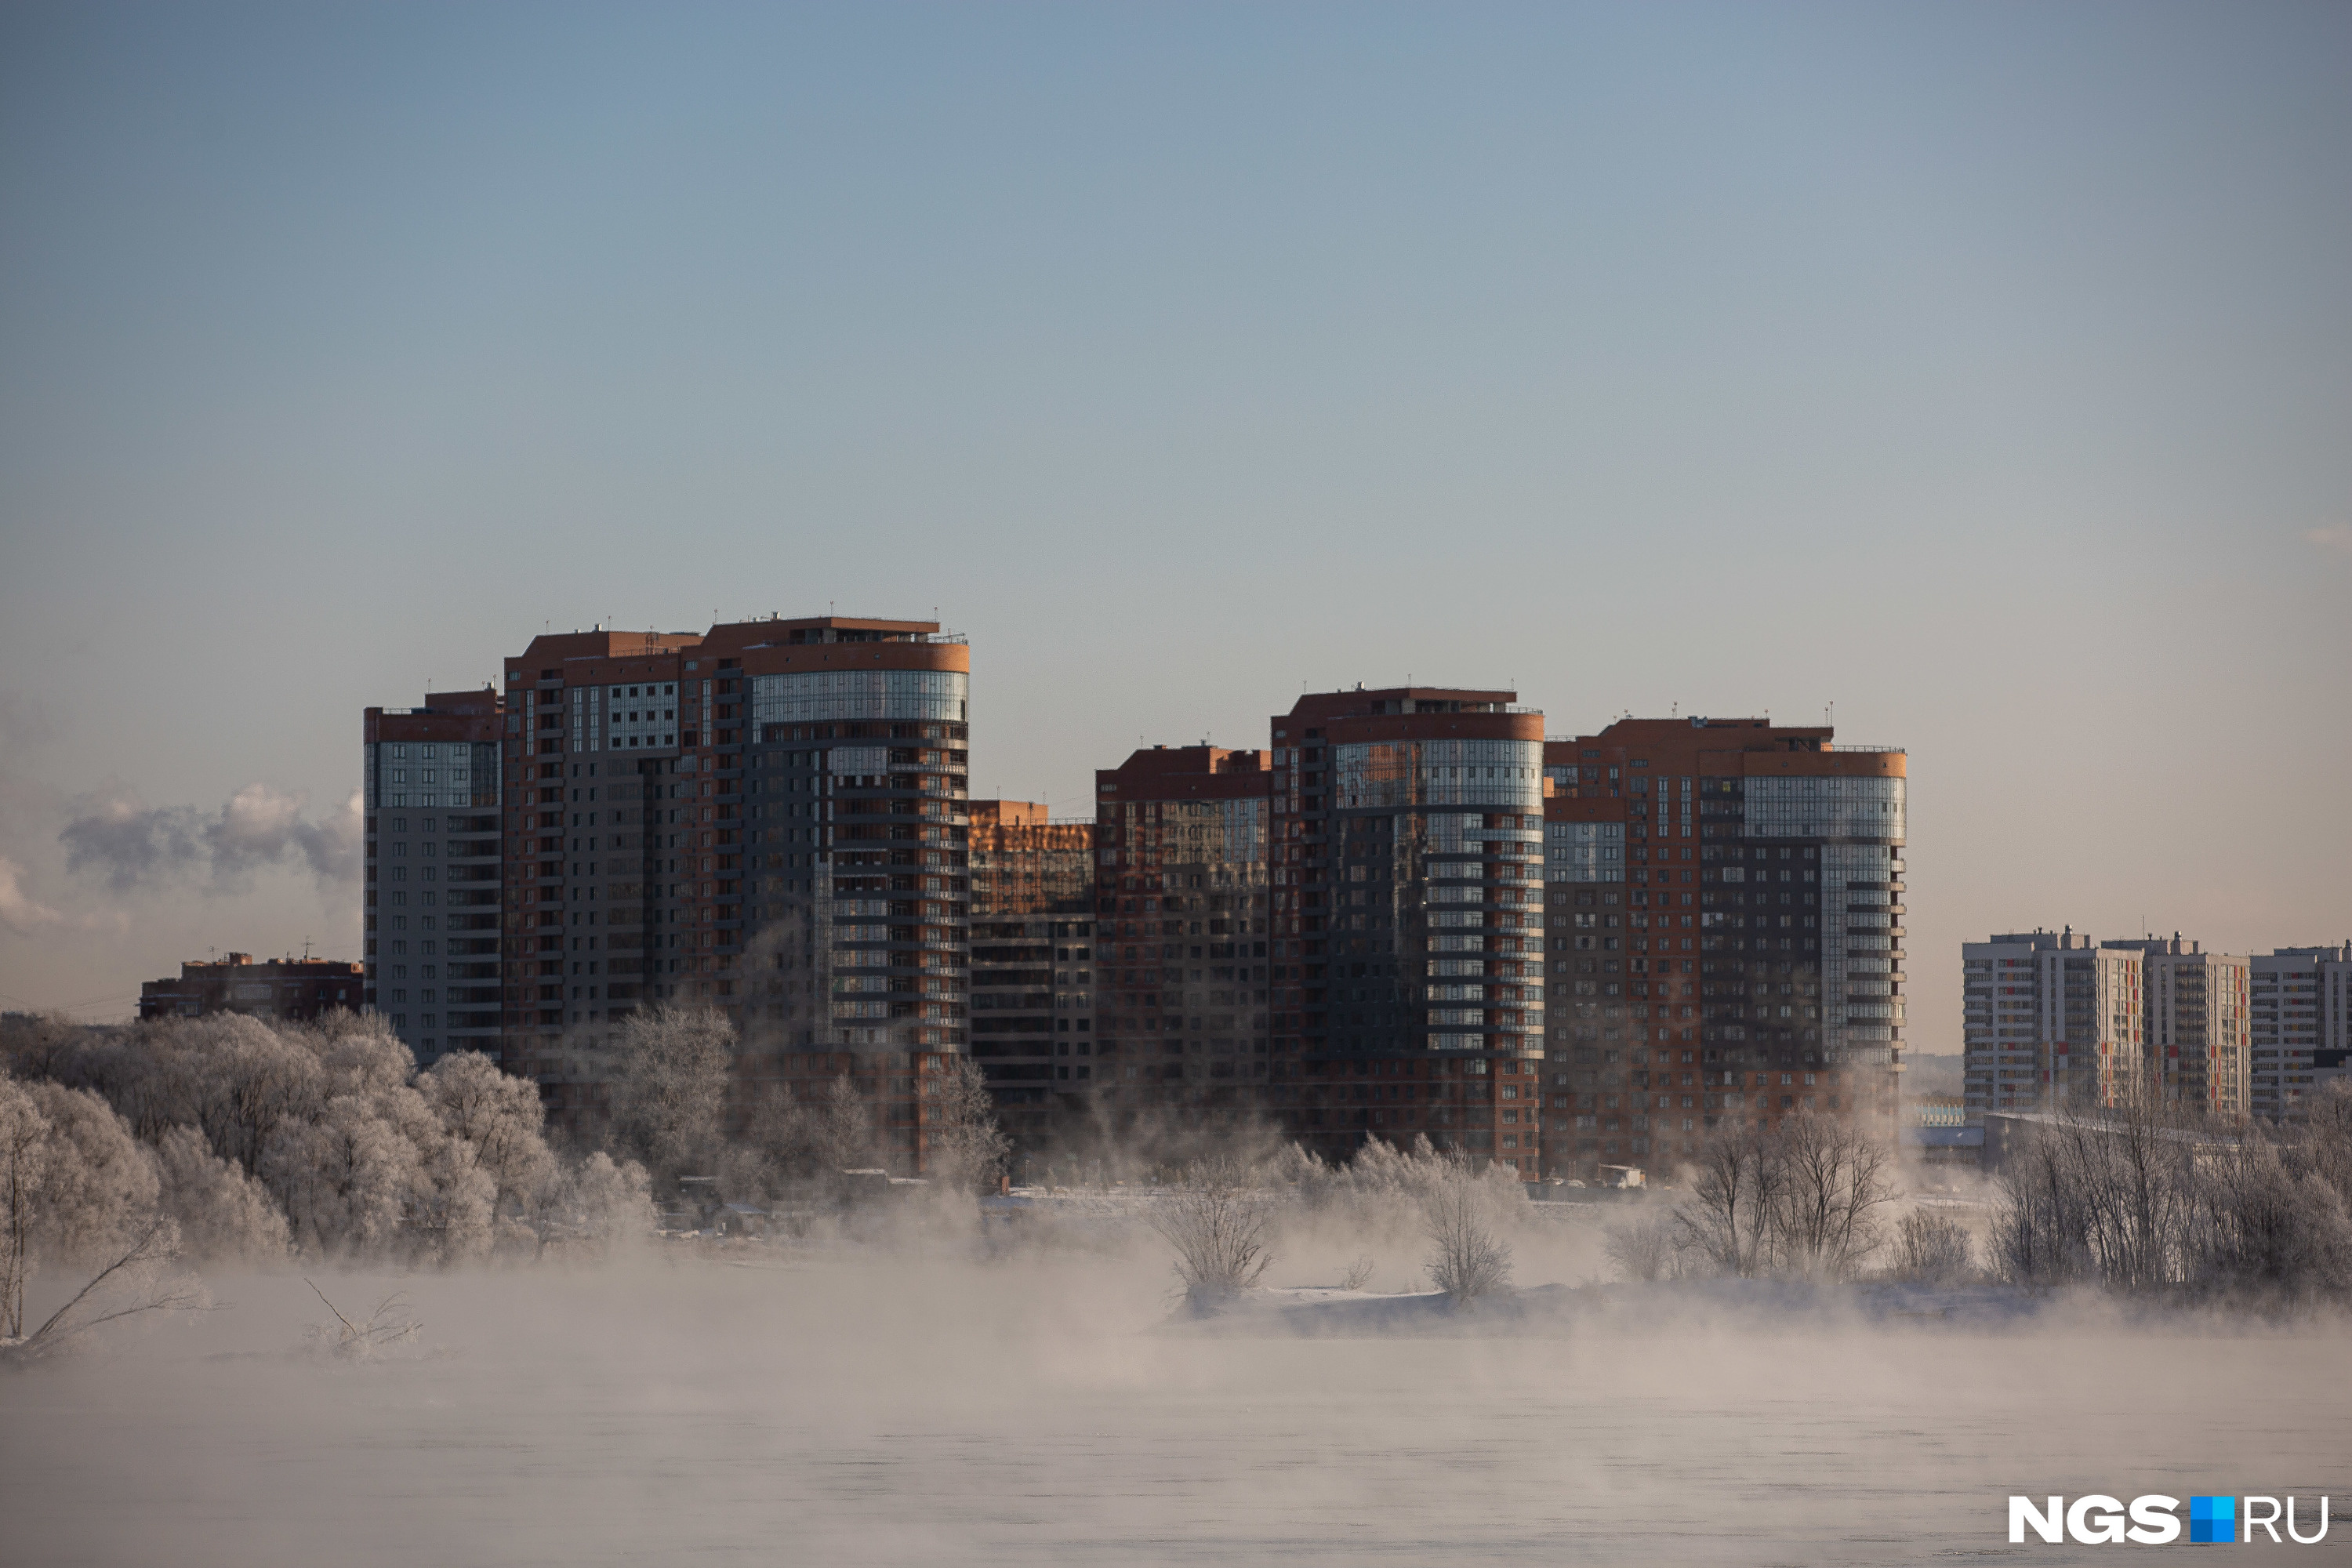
1726 934
1408 922
1033 962
1181 839
431 783
767 817
1345 931
297 988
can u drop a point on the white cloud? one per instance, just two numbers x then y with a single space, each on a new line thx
2337 539
25 916
18 913
134 846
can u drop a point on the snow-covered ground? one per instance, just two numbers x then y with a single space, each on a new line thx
840 1405
1753 1306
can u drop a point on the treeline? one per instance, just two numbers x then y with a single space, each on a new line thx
1220 1214
672 1102
254 1141
1807 1197
2146 1198
2143 1199
232 1139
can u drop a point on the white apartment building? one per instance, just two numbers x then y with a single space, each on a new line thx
2049 1018
2197 1023
2298 1029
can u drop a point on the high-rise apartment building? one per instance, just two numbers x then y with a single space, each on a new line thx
2050 1019
768 818
2297 1029
1408 922
2197 1022
1033 969
2200 1019
1725 929
1182 838
431 779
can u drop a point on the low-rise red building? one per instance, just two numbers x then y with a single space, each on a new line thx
273 988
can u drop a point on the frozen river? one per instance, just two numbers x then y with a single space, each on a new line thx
868 1413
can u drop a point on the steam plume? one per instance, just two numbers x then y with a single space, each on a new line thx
134 846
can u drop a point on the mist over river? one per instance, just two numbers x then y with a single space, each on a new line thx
873 1411
857 1408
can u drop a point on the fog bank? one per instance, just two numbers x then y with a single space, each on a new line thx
847 1406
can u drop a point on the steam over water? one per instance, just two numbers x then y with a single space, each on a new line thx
853 1410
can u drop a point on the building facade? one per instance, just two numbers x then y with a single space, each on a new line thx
768 818
1032 1027
2050 1020
432 778
2297 1032
1181 840
1408 921
2197 1019
1726 934
297 988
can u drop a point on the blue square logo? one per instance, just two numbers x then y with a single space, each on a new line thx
2212 1519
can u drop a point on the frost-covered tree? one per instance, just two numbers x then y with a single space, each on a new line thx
499 1115
596 1204
134 1280
1836 1186
1932 1248
222 1214
99 1185
667 1071
1221 1223
23 1168
1468 1258
845 1130
257 1138
346 1179
77 1189
967 1149
1642 1246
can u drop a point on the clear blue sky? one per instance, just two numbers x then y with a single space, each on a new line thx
1986 370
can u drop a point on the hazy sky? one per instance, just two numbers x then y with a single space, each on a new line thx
1986 370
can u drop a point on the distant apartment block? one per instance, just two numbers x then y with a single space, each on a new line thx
2299 1002
2050 1019
431 782
1182 839
2197 1022
1032 961
297 988
1723 902
1408 920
